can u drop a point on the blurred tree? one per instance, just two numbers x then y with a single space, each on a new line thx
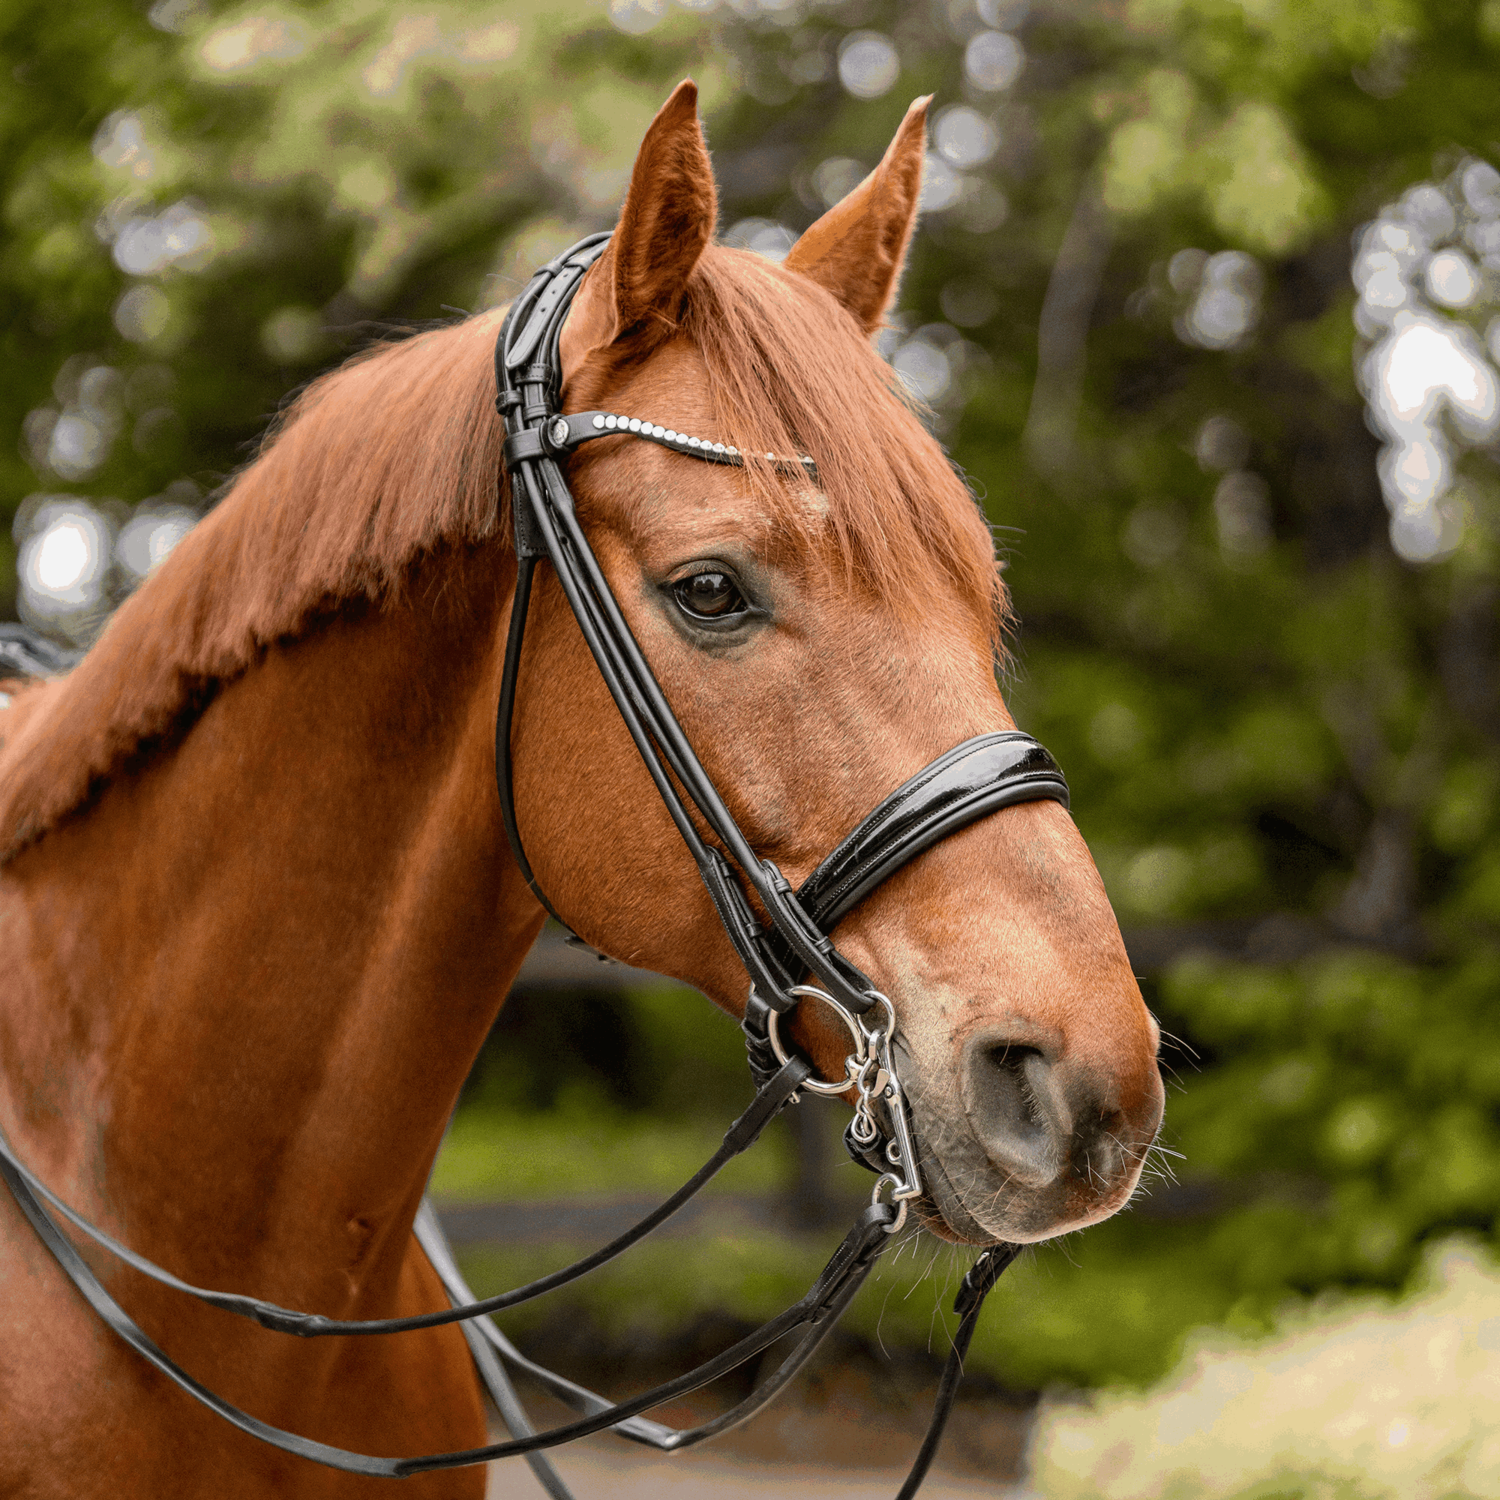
1245 473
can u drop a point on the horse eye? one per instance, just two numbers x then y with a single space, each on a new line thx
709 596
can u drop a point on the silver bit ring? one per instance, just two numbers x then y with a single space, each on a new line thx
852 1063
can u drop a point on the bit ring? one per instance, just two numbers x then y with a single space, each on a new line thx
861 1043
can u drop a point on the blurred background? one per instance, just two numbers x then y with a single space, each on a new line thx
1206 303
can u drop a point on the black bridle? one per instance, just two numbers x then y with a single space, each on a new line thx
969 782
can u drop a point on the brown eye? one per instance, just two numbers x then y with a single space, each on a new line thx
709 596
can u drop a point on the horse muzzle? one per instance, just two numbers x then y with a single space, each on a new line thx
1030 1145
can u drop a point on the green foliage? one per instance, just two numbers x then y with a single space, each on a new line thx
492 1155
607 1050
1045 1322
1283 739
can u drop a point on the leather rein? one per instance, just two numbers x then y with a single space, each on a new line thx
968 782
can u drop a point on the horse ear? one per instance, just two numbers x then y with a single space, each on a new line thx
858 248
668 219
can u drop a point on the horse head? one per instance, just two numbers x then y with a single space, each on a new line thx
820 640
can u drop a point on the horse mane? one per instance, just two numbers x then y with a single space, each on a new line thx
388 457
396 454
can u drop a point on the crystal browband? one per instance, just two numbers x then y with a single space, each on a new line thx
565 433
608 421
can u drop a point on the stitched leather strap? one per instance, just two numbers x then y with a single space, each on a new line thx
970 782
817 1311
770 1099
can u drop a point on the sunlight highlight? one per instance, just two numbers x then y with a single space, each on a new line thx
243 44
1428 379
1389 1402
63 561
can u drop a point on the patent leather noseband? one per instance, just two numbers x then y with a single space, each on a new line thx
970 782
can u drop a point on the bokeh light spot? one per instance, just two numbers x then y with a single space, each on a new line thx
1242 513
244 43
120 142
1226 300
982 207
1451 279
179 236
148 537
1424 362
1003 15
1153 534
765 237
142 314
968 303
868 64
993 61
293 335
836 178
942 187
1221 444
964 137
63 558
924 370
77 447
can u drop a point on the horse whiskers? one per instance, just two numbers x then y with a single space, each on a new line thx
1177 1041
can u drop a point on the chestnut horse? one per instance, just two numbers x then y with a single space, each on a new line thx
256 905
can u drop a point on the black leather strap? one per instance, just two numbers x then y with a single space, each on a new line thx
975 1287
818 1311
487 1362
970 782
544 515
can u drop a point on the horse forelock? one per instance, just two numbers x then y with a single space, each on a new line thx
397 452
790 371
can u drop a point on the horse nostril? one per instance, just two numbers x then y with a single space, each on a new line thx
1018 1110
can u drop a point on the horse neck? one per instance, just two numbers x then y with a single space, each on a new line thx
260 967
